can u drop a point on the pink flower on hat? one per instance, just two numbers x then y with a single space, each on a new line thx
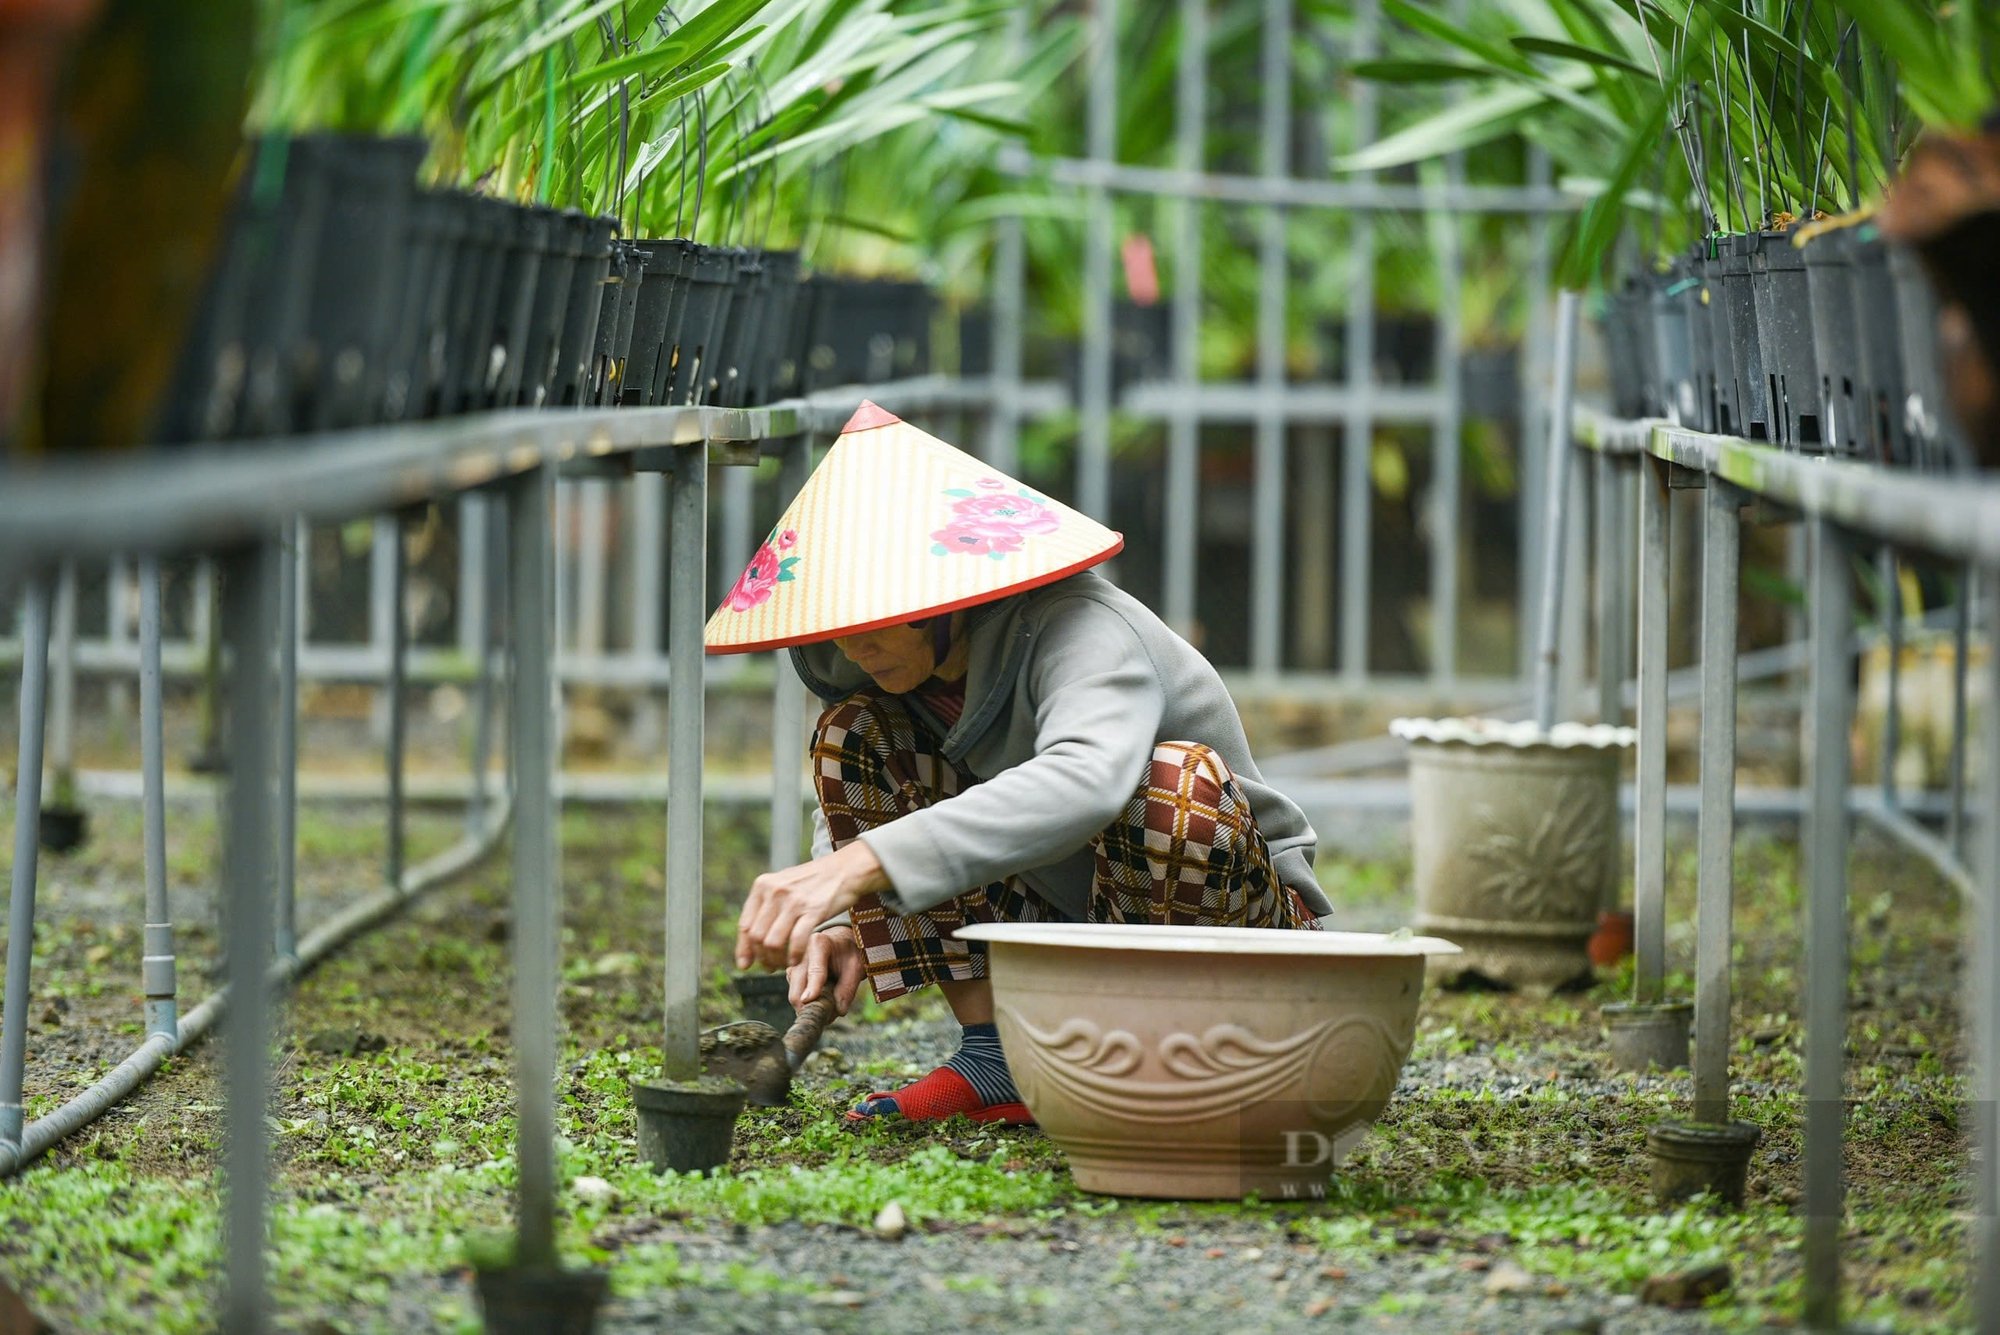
992 521
766 571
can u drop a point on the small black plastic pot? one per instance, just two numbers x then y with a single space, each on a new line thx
741 328
1751 397
652 343
1724 413
475 303
551 307
621 337
766 998
1621 346
711 278
772 371
687 1127
589 294
1930 436
1668 312
1783 296
431 254
360 266
267 294
520 274
519 1300
622 268
429 356
1881 346
812 323
64 828
1836 338
1701 339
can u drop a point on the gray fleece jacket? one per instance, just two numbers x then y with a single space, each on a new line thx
1068 690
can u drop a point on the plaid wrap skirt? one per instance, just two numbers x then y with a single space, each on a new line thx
1185 850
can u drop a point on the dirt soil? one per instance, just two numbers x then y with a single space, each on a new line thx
1504 1190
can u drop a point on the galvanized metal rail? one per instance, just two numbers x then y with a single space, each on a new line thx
244 504
1846 508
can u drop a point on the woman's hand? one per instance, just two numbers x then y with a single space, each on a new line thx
832 956
786 907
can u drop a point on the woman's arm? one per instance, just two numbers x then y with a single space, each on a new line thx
1098 704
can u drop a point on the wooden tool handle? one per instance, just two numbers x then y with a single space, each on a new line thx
804 1034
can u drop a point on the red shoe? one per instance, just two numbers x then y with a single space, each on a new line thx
941 1094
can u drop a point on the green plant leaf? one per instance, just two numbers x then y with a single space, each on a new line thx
1544 46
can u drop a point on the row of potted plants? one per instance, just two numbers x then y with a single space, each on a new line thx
348 296
1818 338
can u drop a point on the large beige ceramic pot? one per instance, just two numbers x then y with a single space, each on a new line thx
1515 837
1203 1062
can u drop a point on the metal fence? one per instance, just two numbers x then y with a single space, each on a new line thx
244 505
1845 509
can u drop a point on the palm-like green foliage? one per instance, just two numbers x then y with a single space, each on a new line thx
1683 117
696 118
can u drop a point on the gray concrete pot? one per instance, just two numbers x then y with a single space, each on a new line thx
687 1127
1515 833
1692 1157
520 1300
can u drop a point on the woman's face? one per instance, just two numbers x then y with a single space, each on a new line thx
899 658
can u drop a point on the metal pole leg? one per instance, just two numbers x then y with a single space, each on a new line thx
788 738
250 601
1892 629
1830 708
27 844
1649 873
287 932
687 561
1982 1002
531 612
481 638
157 967
1721 560
1614 605
394 688
1561 448
1961 646
62 690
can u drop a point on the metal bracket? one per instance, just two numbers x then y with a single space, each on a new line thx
1680 478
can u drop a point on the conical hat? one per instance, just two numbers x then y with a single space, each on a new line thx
893 525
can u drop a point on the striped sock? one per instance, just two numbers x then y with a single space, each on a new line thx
983 1065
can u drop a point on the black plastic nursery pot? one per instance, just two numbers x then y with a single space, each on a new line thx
476 301
1783 297
773 374
884 329
623 271
551 307
449 215
589 295
369 185
429 258
265 294
1724 414
652 343
812 324
1701 339
1751 396
679 252
1621 342
520 274
1674 343
711 277
687 1127
1881 345
1836 338
1690 1158
766 997
740 330
64 828
524 1300
1930 437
